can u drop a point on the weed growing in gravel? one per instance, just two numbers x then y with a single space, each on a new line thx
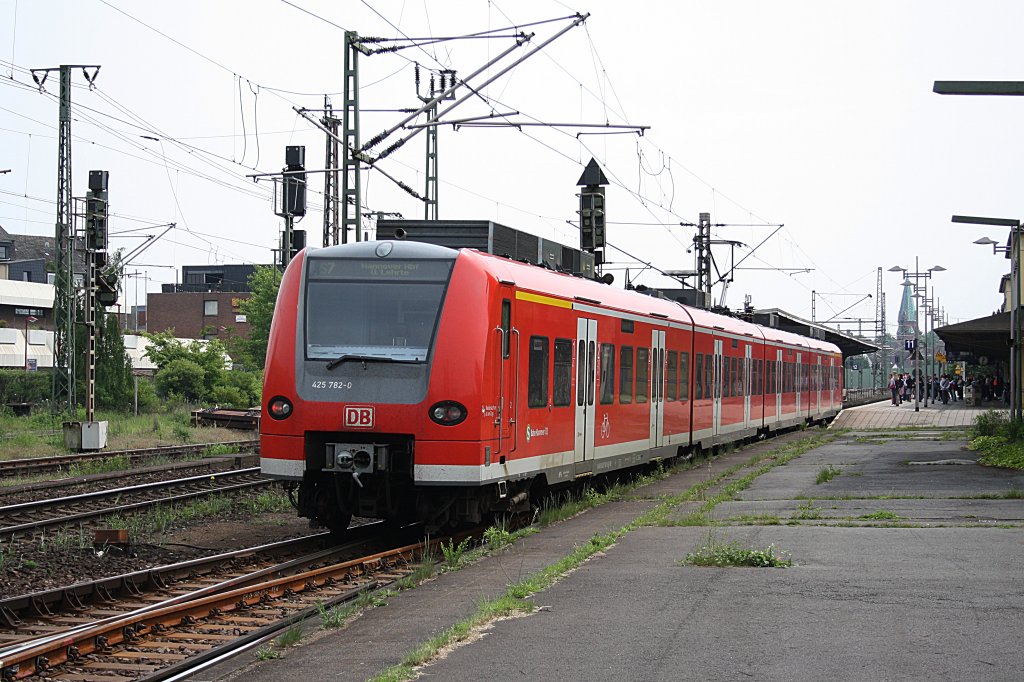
753 520
807 511
291 637
267 653
880 515
265 502
498 536
718 553
141 527
827 474
182 433
218 450
454 554
99 466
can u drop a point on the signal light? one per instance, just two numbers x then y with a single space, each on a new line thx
279 407
106 288
448 413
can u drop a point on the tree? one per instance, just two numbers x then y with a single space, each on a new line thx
114 387
172 355
259 312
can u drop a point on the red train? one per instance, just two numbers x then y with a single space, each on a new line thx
406 379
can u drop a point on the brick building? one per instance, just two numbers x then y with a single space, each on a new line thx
197 315
204 305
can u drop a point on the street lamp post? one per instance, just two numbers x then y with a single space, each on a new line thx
911 279
28 320
1012 251
1012 89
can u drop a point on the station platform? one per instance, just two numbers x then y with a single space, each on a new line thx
885 415
906 566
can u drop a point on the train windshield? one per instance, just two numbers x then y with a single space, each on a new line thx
380 309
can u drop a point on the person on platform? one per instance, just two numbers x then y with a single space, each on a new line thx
944 389
894 387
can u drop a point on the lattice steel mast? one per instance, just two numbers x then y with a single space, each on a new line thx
63 395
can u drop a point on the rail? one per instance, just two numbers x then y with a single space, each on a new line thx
20 467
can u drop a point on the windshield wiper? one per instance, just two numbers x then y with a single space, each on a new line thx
364 359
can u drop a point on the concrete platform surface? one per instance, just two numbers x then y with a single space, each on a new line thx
885 415
935 593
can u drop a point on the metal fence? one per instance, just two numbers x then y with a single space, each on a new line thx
861 396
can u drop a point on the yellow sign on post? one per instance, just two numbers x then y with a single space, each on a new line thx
940 356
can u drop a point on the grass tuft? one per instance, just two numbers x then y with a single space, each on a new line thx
827 474
724 554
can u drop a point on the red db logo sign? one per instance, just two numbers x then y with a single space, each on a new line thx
359 416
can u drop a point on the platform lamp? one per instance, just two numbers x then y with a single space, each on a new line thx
1012 251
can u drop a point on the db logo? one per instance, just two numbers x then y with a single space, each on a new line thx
359 416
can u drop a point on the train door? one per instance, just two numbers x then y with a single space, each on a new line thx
657 388
716 401
779 383
508 371
747 388
586 354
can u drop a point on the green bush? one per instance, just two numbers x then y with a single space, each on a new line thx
19 386
148 399
990 423
181 377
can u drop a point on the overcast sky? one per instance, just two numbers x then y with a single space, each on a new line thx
816 115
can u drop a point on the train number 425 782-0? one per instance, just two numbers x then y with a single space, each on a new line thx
320 383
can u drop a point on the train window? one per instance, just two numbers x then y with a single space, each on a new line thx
607 373
537 388
658 375
709 377
626 375
673 376
726 378
591 353
642 374
388 312
760 377
735 343
581 372
626 326
684 376
698 385
737 377
563 373
506 325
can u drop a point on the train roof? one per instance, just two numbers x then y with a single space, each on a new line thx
570 287
540 279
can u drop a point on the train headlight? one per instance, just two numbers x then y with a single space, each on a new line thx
447 413
279 407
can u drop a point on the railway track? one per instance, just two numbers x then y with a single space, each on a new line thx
19 519
62 463
166 635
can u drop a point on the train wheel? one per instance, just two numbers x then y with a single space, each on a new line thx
338 523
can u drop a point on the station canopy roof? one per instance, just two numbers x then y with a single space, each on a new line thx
848 345
985 336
